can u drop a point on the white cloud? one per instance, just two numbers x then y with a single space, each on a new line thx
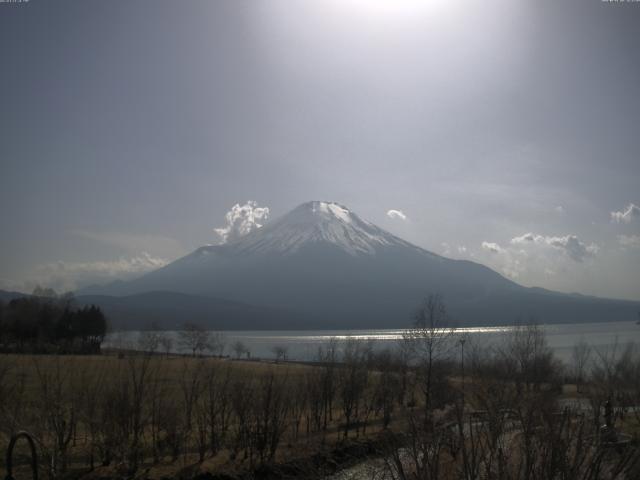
132 244
571 245
513 267
625 216
505 259
396 214
632 241
492 247
559 210
241 220
459 251
63 276
527 237
537 256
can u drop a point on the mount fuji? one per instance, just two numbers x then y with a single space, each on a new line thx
322 266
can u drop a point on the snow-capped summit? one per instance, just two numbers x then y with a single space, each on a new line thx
331 208
318 222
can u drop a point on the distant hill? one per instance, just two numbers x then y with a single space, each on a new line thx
336 270
7 296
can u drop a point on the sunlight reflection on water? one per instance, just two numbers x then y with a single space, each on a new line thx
386 335
303 345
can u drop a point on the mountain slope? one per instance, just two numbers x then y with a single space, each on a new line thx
324 261
170 310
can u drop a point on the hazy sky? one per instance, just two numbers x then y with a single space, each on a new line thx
499 131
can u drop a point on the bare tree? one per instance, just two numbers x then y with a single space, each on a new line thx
242 392
166 342
158 405
314 385
580 356
386 386
353 376
299 401
13 393
612 376
149 341
217 404
529 358
195 424
91 388
217 343
429 341
280 352
239 348
269 415
327 356
58 409
194 338
135 392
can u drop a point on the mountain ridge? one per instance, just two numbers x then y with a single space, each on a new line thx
323 261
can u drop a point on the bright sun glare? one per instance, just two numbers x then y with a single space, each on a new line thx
394 8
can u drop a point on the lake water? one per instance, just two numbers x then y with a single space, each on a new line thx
303 344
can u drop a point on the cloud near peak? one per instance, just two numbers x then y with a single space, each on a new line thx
626 215
241 220
396 214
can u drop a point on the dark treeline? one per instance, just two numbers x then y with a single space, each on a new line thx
48 323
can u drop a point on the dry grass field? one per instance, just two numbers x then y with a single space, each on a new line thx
180 415
513 415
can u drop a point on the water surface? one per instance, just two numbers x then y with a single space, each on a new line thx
304 344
